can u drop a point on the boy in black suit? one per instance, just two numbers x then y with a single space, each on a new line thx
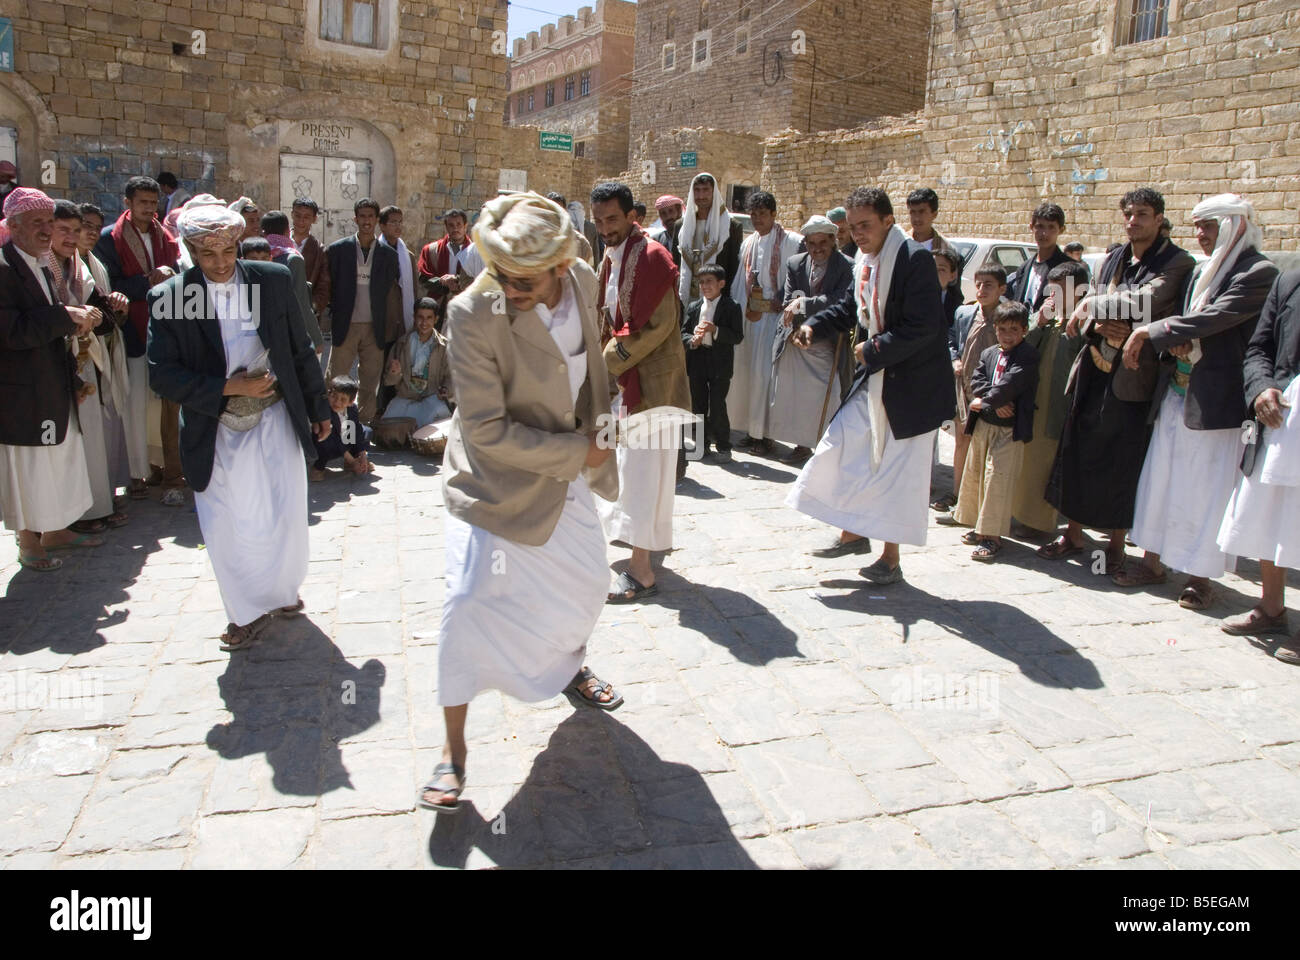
348 438
711 328
1004 386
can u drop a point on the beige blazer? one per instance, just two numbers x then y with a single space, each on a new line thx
516 441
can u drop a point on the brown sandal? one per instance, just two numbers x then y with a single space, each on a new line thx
1196 596
1059 549
240 638
1141 576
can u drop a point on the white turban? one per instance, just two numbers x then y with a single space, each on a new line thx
209 224
1238 231
819 224
523 234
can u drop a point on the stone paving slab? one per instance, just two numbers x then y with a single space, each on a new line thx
780 712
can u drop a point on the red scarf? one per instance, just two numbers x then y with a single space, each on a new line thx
646 275
435 258
166 251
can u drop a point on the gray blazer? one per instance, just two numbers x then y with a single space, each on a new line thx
302 294
516 440
1215 391
839 277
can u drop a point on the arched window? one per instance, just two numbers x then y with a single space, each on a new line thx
668 28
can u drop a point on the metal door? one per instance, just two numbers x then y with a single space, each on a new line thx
335 183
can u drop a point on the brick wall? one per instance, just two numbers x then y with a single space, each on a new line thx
108 89
1030 101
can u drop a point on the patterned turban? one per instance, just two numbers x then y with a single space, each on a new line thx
209 223
667 200
523 234
23 199
819 224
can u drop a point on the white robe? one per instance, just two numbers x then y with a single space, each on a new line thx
517 617
750 397
642 516
253 514
1263 516
838 485
1186 483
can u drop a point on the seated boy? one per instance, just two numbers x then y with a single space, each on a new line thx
349 440
970 335
1001 422
711 327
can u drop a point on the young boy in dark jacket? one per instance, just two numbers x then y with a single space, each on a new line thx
1004 386
711 328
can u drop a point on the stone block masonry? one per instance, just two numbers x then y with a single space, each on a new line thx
108 90
1026 102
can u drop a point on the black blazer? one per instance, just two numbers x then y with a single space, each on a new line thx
187 361
385 274
1215 392
1019 386
1018 284
839 277
38 375
912 351
717 361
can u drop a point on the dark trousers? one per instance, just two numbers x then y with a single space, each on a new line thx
333 448
709 399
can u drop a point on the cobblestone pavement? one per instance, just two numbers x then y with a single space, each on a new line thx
780 713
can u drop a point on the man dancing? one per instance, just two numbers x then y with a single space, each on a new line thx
870 473
526 568
247 378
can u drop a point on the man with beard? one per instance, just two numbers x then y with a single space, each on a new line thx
637 300
1104 443
1191 465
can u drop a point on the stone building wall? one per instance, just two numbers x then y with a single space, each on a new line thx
1027 101
109 89
734 159
777 64
546 170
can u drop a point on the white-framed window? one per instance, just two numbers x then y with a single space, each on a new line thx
354 22
668 56
701 50
742 40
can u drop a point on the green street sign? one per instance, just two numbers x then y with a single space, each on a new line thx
689 160
556 141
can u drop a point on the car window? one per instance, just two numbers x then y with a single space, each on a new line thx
1009 257
964 250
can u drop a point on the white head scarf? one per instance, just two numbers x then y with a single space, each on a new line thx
578 214
522 234
1238 231
819 224
716 231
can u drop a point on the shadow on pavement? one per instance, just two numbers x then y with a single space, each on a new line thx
293 697
597 797
1040 654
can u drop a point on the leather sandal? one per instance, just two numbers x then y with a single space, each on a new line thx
578 698
1196 596
1139 576
1059 549
440 771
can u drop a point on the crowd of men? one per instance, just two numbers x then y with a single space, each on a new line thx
1151 403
